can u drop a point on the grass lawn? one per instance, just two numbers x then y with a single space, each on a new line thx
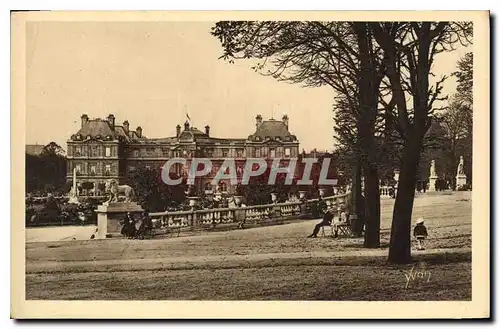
265 263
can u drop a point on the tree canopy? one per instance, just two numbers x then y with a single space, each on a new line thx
385 101
46 172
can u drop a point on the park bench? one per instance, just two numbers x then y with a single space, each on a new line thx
344 229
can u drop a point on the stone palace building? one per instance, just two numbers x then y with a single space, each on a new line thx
103 150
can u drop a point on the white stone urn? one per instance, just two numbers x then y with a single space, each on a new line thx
274 197
238 199
302 195
193 201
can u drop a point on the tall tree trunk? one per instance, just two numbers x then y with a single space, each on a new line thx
355 204
400 246
372 212
368 103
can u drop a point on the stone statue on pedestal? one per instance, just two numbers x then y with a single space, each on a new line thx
111 213
432 176
460 169
115 190
461 179
73 193
433 169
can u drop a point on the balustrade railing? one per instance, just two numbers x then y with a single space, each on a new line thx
387 191
257 215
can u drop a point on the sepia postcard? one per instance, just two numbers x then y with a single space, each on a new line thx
250 165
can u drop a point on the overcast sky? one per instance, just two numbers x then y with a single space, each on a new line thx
150 73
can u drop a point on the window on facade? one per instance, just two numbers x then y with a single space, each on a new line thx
78 168
272 153
78 151
92 169
225 153
223 187
208 187
209 152
239 153
107 169
166 153
257 153
135 153
108 151
287 152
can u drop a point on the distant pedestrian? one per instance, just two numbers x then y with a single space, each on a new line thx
420 233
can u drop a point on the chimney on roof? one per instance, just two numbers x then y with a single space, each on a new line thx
178 130
111 120
258 120
138 131
186 125
85 119
285 120
207 130
126 126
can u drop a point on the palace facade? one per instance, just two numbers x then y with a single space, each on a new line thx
102 150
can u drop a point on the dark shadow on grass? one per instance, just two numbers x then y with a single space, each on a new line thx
360 246
444 258
450 237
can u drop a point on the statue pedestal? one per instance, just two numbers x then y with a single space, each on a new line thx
432 183
109 217
461 180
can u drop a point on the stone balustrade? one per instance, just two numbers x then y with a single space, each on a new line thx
250 215
385 191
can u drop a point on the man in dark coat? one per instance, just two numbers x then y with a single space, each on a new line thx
326 221
145 226
128 228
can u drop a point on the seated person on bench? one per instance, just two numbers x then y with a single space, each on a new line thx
342 220
326 221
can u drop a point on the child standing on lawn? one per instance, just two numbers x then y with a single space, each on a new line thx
420 233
